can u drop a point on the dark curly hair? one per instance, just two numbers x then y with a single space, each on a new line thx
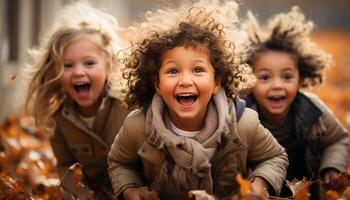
289 32
189 26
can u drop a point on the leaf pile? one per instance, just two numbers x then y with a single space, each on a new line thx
27 166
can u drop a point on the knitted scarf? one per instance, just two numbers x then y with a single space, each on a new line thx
187 166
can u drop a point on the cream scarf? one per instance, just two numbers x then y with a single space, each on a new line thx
187 166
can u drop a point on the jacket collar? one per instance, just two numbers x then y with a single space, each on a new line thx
306 115
305 111
70 111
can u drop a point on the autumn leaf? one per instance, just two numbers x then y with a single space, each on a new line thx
347 193
332 195
300 189
72 182
245 186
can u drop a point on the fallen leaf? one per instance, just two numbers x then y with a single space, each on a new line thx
245 186
332 195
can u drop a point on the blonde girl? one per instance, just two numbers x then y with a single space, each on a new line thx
72 90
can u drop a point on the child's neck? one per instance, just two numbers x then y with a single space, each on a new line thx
188 125
91 110
276 121
88 111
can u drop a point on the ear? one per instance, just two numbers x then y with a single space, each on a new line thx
155 81
217 87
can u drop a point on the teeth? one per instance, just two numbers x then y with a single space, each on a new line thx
80 83
185 95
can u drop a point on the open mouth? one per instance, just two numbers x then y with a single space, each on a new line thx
82 87
277 100
186 99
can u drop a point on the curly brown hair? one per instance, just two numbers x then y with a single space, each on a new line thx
199 24
289 32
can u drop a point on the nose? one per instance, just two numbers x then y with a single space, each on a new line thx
78 70
185 79
277 83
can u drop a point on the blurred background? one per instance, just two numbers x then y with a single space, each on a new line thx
24 22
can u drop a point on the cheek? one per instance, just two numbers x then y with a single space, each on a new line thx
259 89
63 80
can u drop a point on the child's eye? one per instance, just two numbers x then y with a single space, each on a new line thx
65 65
264 77
172 71
198 70
89 63
288 77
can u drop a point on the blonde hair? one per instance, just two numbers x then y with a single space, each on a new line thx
76 20
209 23
289 32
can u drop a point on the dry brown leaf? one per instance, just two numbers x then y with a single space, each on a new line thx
346 193
332 195
295 185
77 174
301 189
245 186
72 182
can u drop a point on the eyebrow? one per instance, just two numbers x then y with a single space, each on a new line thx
194 61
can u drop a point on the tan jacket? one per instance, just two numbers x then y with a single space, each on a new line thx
73 142
134 162
332 137
326 141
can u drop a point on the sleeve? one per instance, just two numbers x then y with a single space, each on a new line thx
265 154
336 142
124 165
62 152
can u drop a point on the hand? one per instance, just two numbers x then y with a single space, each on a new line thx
330 178
259 188
140 193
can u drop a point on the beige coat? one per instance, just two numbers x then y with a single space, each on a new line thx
73 142
134 162
326 141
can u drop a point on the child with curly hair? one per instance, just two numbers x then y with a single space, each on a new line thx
284 61
191 131
72 92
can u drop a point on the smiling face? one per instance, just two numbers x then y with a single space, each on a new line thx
85 73
277 84
186 83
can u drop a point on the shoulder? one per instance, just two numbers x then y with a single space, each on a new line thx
249 120
135 121
315 100
133 132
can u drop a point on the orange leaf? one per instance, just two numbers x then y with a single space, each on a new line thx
347 193
295 185
332 195
77 174
300 189
244 185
